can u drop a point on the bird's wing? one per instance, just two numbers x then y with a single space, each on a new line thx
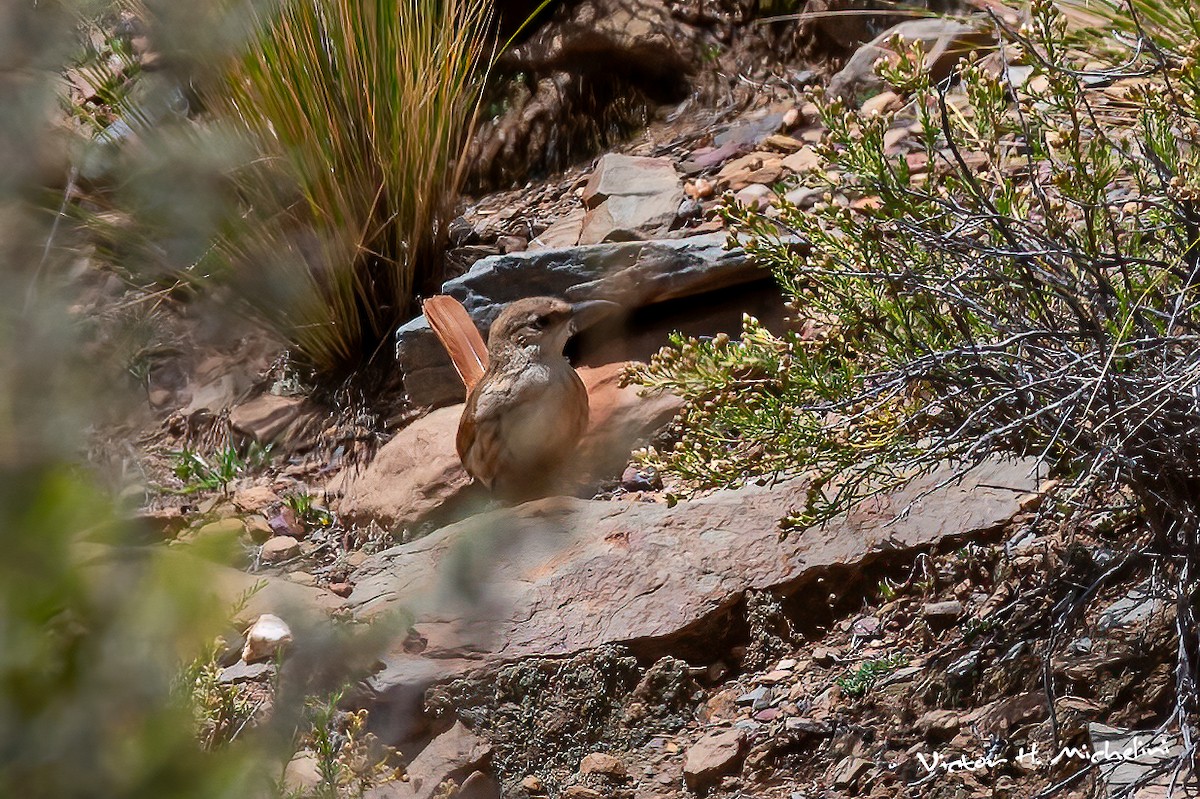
477 443
460 337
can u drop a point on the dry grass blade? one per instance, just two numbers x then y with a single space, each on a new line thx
363 112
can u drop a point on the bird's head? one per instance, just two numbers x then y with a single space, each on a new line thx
542 325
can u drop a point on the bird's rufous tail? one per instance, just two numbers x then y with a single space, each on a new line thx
458 334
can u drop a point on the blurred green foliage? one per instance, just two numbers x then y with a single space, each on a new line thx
92 636
96 630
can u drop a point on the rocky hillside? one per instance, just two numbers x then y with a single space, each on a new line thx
961 637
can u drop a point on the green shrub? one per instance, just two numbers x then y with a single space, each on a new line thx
217 471
1026 282
858 681
1032 291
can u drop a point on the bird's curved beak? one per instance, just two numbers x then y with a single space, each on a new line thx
587 313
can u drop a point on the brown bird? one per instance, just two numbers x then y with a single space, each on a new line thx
526 407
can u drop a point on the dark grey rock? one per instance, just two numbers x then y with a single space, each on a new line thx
1131 610
1130 759
632 274
245 672
963 668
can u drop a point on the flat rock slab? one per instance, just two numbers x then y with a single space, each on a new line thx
560 576
630 198
633 274
945 41
1131 758
454 754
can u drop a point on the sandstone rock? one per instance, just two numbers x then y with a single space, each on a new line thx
604 764
159 397
562 233
805 196
280 548
893 138
633 274
478 786
721 706
581 792
302 577
621 175
225 530
254 499
849 770
215 395
265 638
620 420
756 167
950 609
258 529
784 143
266 419
946 42
416 473
1007 714
453 755
943 723
630 198
303 774
775 677
755 195
712 757
802 160
419 473
882 103
561 576
165 522
509 244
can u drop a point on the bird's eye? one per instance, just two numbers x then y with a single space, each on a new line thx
540 322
